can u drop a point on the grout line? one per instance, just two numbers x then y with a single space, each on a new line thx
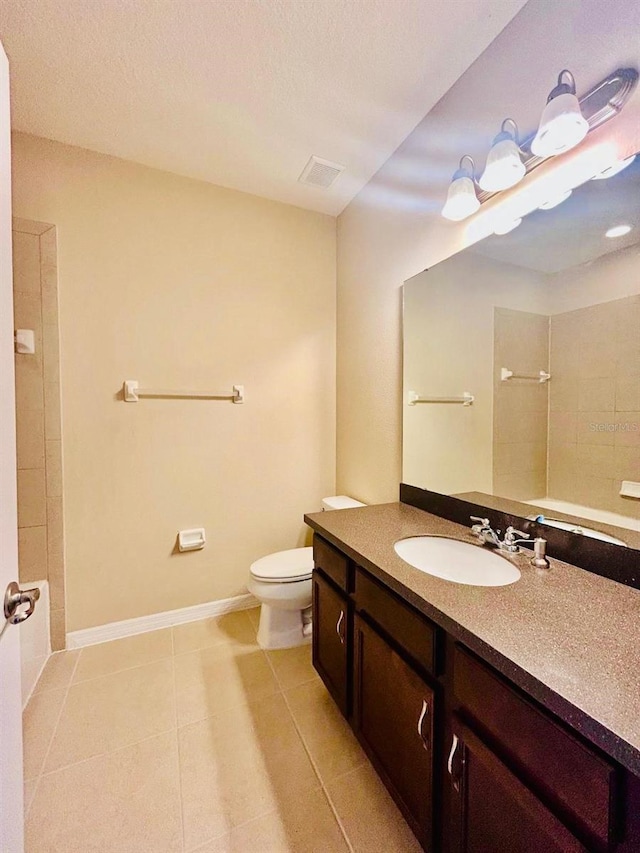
53 734
311 760
119 671
177 737
320 779
106 753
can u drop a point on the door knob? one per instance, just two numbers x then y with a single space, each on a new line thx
14 598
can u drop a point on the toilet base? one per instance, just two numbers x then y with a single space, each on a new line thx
282 629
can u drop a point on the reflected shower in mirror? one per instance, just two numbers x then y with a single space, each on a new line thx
522 366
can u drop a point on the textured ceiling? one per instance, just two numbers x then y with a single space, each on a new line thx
242 92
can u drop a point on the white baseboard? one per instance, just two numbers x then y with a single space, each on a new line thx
142 624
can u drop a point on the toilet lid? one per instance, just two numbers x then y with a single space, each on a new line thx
293 565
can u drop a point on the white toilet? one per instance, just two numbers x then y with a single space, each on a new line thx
282 584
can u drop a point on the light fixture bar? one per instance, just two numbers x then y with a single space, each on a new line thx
598 106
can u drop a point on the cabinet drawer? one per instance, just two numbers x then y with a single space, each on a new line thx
571 776
409 629
332 562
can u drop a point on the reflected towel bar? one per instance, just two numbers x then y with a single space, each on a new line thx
466 399
506 374
131 393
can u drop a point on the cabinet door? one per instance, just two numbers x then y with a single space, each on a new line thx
393 718
493 811
331 639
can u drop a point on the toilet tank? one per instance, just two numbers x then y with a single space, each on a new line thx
340 502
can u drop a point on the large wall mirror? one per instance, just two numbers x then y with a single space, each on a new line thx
522 366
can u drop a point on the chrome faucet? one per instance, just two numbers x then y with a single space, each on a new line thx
488 536
511 540
485 533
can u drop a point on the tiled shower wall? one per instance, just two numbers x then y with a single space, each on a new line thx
38 421
520 406
594 429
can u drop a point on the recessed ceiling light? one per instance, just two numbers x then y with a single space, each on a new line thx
618 231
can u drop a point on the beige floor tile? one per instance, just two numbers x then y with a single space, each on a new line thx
58 671
305 824
114 656
124 802
254 615
369 816
210 680
232 627
331 743
38 725
109 712
293 666
244 763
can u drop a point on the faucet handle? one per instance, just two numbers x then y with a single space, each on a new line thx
512 534
484 522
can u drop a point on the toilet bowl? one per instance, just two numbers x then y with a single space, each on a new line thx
282 584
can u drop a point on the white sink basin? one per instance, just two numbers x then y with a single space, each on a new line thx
460 562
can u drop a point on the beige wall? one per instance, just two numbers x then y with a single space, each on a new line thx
448 349
39 446
181 284
393 229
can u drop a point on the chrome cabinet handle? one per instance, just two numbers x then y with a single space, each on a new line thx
454 748
14 598
339 627
423 714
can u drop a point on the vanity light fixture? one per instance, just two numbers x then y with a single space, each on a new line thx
556 200
562 125
565 121
614 168
462 200
618 231
504 167
506 227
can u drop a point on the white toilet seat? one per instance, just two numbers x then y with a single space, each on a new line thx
292 566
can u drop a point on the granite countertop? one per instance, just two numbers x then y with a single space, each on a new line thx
566 636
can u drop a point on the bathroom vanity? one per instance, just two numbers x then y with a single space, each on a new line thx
499 718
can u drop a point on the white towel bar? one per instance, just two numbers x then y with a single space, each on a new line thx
131 393
466 399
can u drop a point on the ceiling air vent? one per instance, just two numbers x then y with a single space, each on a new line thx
320 173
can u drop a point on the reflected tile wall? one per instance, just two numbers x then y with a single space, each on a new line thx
520 411
594 434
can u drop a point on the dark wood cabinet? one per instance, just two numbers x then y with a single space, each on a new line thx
331 639
394 721
493 811
473 762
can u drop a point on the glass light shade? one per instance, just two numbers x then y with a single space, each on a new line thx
461 199
555 201
504 167
506 227
614 168
562 126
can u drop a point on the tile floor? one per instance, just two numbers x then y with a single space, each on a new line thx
193 740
